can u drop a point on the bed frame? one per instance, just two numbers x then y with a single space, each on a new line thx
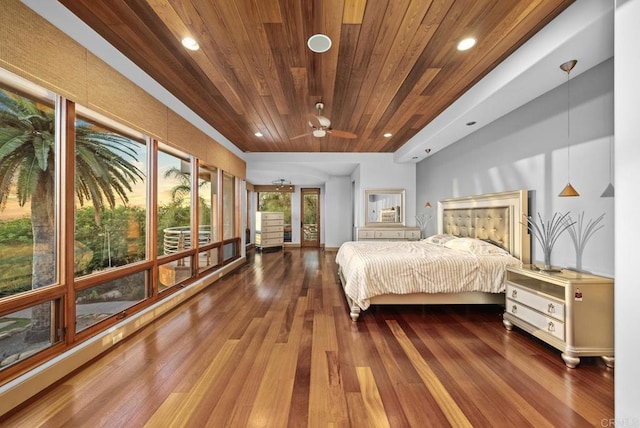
495 216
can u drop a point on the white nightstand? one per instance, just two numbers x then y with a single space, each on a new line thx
569 310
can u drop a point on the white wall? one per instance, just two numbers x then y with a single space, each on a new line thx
337 211
627 160
527 149
379 171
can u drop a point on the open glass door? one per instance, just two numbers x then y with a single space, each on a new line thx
310 214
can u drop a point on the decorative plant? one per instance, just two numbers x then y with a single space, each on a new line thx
548 233
422 220
580 235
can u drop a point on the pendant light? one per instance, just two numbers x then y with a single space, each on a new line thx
568 189
609 192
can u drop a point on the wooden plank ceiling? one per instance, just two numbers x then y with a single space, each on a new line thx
392 68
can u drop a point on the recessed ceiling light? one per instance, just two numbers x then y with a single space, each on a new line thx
388 135
258 134
467 43
190 44
319 43
473 122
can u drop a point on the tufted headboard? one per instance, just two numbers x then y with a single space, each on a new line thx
496 216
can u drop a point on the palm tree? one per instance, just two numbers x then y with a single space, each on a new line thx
27 166
183 188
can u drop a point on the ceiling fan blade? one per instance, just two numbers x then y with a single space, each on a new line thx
341 134
300 136
314 121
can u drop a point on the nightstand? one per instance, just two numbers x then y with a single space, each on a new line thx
571 311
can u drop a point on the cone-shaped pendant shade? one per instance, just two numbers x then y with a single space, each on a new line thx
569 191
609 192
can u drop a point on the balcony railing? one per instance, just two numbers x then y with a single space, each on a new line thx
179 238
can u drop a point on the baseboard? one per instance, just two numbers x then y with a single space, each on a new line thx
22 388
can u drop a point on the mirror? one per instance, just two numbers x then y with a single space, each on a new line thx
384 207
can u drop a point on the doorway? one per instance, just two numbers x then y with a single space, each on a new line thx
310 217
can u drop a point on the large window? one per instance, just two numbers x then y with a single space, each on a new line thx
29 217
28 190
174 234
228 206
28 331
99 302
208 217
174 202
111 197
83 244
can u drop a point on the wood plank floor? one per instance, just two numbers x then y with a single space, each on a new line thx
272 345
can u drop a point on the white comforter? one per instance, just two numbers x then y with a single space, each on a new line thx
378 268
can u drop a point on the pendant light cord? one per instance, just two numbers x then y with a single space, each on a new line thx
568 127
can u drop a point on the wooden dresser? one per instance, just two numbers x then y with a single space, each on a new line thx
571 311
269 229
388 233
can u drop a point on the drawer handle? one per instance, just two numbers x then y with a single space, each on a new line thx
551 327
551 309
514 309
514 294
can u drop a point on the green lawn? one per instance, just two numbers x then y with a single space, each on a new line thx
7 324
15 272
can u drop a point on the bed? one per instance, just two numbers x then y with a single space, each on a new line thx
465 262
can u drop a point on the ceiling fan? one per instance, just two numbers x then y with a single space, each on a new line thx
321 126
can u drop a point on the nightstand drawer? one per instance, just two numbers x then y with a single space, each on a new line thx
546 324
546 305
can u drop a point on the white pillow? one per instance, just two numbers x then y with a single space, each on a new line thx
474 246
440 239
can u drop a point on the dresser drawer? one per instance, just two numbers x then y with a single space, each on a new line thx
412 234
389 234
272 222
366 234
266 234
263 240
267 242
271 216
546 305
545 323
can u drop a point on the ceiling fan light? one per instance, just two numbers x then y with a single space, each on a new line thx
324 121
319 133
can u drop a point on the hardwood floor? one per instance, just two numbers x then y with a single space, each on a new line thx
273 345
